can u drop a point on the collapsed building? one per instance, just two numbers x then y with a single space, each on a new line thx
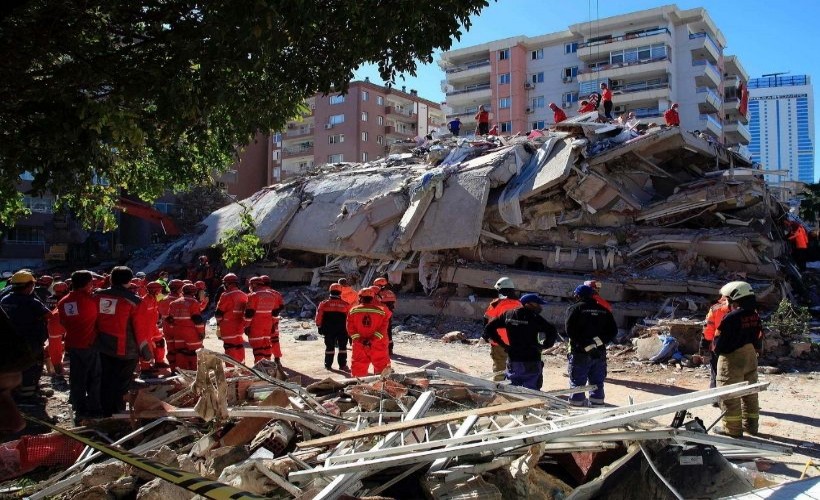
666 216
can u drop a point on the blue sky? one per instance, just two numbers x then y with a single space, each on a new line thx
768 36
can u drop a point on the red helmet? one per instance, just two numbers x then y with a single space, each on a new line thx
136 282
265 279
175 285
367 292
61 287
44 280
335 287
154 287
188 289
380 281
593 284
230 278
200 285
376 290
256 280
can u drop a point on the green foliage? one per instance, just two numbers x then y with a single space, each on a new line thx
241 247
792 322
158 95
810 204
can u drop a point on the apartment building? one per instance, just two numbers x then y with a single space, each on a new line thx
354 127
781 119
649 59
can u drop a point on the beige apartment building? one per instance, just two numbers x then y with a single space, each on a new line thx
649 59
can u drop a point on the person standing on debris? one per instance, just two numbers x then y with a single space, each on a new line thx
386 296
230 317
586 107
366 326
149 310
56 331
454 126
590 328
122 338
261 310
596 288
493 130
202 294
185 314
606 98
275 346
331 320
164 309
800 238
528 333
558 114
78 315
671 116
737 340
349 295
507 300
483 119
713 318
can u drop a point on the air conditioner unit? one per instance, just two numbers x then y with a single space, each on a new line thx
328 126
614 83
529 85
567 79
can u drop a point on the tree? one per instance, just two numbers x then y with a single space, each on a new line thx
98 96
810 204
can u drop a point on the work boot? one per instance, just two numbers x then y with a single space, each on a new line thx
720 431
344 368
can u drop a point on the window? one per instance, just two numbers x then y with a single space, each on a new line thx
364 116
571 48
537 102
504 79
365 95
364 136
380 120
336 119
336 139
569 97
538 125
379 139
571 72
537 54
339 158
537 77
337 99
503 54
39 204
364 156
380 100
504 102
506 127
25 235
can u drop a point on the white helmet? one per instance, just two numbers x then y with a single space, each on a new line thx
504 282
736 290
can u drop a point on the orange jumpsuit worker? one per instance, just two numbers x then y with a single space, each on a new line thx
189 326
713 318
150 310
800 238
366 327
230 317
202 294
331 319
388 298
56 331
260 317
164 310
506 301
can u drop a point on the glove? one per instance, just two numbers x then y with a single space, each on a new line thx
145 352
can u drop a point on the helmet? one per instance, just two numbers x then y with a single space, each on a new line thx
593 284
200 285
140 275
136 282
60 287
203 258
21 278
265 279
7 274
45 280
175 285
188 289
366 292
375 290
504 282
154 286
736 290
380 281
583 291
335 287
256 280
230 278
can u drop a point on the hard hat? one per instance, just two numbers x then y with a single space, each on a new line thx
265 279
140 275
335 287
380 281
7 274
593 284
375 290
504 282
136 282
188 289
256 280
154 286
21 278
736 290
45 280
532 298
366 292
61 287
230 278
200 285
175 285
203 258
583 291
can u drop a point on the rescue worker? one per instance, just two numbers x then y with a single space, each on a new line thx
331 319
366 327
388 299
202 294
78 314
150 308
164 310
56 331
163 279
671 116
506 301
596 289
230 317
800 238
737 340
558 114
42 288
261 319
586 107
590 327
189 326
713 318
122 338
349 295
28 317
138 287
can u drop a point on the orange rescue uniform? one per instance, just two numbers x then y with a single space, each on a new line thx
170 341
230 316
189 329
260 320
366 326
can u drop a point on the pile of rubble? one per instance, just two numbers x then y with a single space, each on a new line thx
436 432
664 214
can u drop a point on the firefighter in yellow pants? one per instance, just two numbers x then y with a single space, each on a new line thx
738 339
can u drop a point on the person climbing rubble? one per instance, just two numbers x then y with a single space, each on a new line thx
189 326
454 126
800 238
558 114
366 327
331 320
713 318
483 120
671 116
261 313
738 339
507 300
387 297
590 327
586 107
606 99
528 333
230 317
168 331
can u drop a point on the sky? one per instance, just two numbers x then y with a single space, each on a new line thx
768 36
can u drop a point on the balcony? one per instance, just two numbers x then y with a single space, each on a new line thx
636 69
591 51
391 130
732 66
737 133
400 113
474 93
708 100
708 123
468 71
731 107
704 47
293 133
630 94
706 74
293 152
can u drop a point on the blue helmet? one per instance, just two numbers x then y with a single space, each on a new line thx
584 291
